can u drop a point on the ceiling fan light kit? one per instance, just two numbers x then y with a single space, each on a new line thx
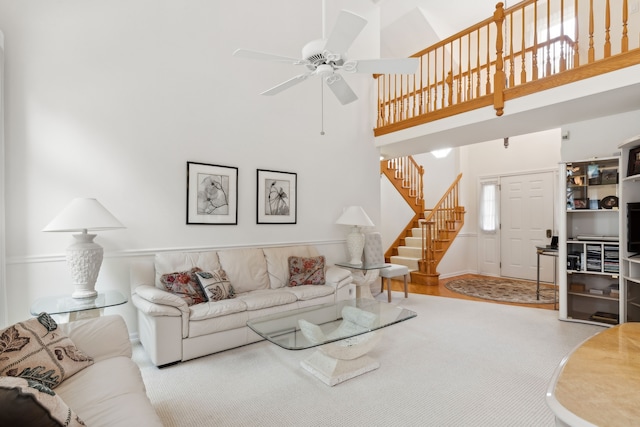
327 58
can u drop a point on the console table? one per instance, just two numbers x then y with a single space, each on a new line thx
77 308
598 384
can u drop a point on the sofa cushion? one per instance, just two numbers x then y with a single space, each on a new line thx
216 284
306 271
309 292
246 269
110 393
181 261
216 309
29 403
260 299
185 285
277 259
36 350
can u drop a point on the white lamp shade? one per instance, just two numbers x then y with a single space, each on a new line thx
84 214
355 215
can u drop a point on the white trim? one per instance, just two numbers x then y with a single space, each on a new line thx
135 253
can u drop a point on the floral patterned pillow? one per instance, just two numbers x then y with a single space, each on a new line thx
185 285
306 271
216 284
36 350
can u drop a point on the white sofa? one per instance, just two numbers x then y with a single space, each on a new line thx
111 391
172 331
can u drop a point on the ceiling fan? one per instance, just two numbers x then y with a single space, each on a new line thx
327 57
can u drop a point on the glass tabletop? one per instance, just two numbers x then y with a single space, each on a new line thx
362 266
317 325
66 304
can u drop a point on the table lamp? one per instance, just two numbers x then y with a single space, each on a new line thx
357 217
84 256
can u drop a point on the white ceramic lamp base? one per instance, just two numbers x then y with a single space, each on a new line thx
355 245
84 258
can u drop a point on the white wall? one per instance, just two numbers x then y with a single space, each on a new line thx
111 99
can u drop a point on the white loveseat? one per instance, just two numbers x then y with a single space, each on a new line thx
172 331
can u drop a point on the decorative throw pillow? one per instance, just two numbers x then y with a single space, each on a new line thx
306 271
36 350
185 285
29 403
216 284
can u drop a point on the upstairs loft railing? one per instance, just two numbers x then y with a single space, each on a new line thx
529 47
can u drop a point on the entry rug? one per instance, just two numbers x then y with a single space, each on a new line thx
502 289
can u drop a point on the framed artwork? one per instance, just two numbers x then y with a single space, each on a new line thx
277 197
212 194
634 162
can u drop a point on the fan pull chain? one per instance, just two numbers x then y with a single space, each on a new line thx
321 107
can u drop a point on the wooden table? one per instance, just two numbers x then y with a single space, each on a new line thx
599 382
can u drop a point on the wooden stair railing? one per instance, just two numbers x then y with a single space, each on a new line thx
407 177
440 227
527 48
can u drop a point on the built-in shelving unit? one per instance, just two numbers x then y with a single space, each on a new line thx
589 242
630 233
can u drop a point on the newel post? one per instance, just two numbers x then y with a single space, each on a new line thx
499 76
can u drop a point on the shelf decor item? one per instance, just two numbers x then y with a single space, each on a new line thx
212 194
634 162
609 202
277 197
84 256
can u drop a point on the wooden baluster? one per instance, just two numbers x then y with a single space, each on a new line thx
488 88
380 103
534 59
548 64
591 53
563 61
478 66
498 78
444 80
459 71
428 97
435 80
449 81
607 28
625 17
523 73
512 77
468 66
403 107
576 50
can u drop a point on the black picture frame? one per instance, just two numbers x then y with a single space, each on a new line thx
277 197
212 194
634 162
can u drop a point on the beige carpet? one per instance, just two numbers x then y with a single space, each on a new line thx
459 363
503 289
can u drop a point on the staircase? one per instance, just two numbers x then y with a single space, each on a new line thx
429 234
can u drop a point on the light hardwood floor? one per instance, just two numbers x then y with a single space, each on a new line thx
441 290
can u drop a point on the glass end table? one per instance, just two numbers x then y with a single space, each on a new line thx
363 276
77 308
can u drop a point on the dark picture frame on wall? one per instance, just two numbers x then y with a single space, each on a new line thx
212 194
277 197
634 162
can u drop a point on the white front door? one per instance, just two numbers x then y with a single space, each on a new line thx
526 212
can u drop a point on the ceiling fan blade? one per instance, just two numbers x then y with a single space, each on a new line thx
383 66
347 27
340 89
252 54
286 85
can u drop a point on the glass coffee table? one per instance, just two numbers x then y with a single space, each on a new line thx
344 333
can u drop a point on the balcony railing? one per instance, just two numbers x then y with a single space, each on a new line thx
532 46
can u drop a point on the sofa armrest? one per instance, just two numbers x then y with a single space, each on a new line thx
153 309
101 337
158 297
337 277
